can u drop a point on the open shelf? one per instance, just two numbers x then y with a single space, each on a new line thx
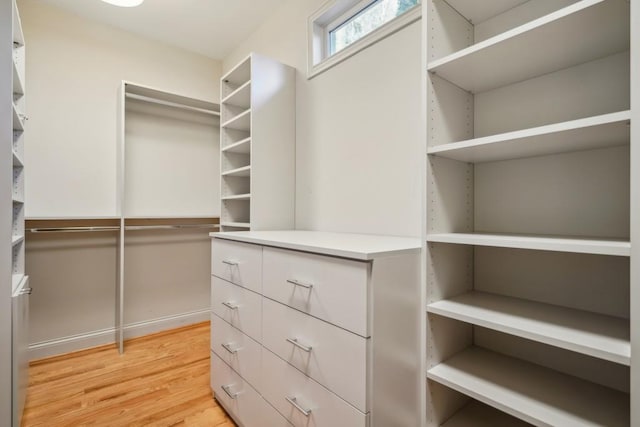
18 36
593 334
240 97
244 171
534 242
240 147
476 414
18 87
16 279
601 131
17 161
16 239
240 122
235 224
240 74
531 392
238 197
478 11
581 32
18 124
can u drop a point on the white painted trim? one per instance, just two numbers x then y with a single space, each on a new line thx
99 337
373 37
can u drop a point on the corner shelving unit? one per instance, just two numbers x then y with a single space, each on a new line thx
257 145
531 211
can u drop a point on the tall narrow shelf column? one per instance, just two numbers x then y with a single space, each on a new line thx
14 293
257 146
531 211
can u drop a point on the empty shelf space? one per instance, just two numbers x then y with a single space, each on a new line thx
17 161
18 87
238 197
601 131
240 122
16 279
235 224
579 33
476 414
240 147
240 97
16 239
531 392
18 36
243 171
475 11
18 123
542 243
240 74
593 334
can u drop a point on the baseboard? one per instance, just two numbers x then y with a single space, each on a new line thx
83 341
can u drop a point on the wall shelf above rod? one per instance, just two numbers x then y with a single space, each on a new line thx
171 104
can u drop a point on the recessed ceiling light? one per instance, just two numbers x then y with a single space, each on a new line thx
124 3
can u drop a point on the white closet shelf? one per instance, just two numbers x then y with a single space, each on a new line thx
601 131
240 147
18 36
240 122
240 74
243 171
593 334
476 414
18 124
478 11
235 224
17 161
17 200
531 392
240 97
16 279
579 33
18 87
16 239
535 242
238 197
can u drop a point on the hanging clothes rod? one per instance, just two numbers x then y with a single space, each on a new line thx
72 229
172 104
169 227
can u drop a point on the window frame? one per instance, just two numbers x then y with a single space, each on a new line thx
336 13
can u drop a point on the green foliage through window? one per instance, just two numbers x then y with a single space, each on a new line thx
374 15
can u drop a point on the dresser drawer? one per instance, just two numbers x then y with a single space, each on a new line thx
334 357
303 401
239 263
332 289
236 349
240 399
238 306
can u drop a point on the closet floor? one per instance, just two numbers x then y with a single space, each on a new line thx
160 380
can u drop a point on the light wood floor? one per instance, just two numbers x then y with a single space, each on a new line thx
161 380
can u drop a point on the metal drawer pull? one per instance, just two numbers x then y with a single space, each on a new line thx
294 402
230 305
226 261
298 283
227 389
295 342
229 349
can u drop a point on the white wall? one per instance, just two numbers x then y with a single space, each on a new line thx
74 70
358 128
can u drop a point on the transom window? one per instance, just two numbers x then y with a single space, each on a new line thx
343 27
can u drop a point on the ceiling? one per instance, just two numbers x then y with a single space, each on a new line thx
209 27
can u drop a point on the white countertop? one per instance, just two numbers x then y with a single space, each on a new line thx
346 245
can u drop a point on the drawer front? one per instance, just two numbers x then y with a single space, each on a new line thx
239 399
237 350
238 306
332 289
292 393
332 356
239 263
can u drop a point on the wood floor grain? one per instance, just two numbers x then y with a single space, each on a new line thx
160 380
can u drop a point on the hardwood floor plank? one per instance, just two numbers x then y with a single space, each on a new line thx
160 380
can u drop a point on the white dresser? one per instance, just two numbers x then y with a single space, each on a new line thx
317 329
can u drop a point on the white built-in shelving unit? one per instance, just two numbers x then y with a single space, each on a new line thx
14 296
257 146
531 212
